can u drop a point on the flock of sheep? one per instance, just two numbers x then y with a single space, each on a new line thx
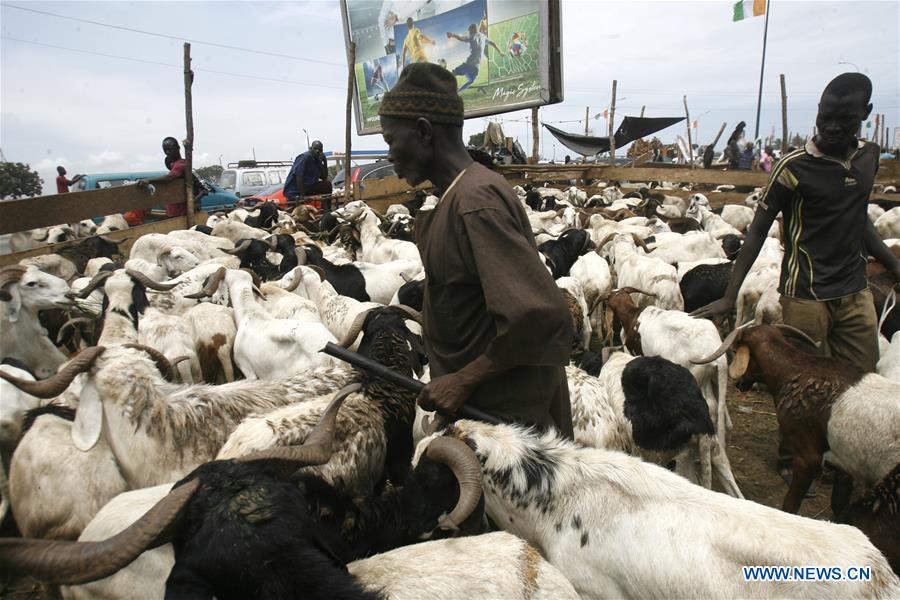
170 428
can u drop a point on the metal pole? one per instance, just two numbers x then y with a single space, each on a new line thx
784 129
535 136
762 69
587 109
687 115
351 76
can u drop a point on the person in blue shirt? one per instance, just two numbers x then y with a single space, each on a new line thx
309 175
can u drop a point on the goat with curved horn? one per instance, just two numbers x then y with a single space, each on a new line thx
633 290
409 311
316 449
8 276
74 563
640 242
297 275
355 328
165 367
609 237
56 385
797 332
211 285
302 258
71 323
239 249
150 283
98 281
730 340
467 469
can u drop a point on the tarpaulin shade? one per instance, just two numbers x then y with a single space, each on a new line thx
632 128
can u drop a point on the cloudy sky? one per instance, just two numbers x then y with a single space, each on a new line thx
99 99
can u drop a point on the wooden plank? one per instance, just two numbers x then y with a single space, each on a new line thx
605 173
390 185
164 226
46 211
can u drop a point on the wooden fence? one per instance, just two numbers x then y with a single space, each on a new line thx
46 211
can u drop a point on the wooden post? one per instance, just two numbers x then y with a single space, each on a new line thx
784 128
587 110
634 162
351 77
612 120
535 136
189 139
690 144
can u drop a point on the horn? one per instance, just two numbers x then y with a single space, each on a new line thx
70 324
353 215
638 241
162 363
98 280
257 281
73 563
316 449
211 285
8 276
319 271
302 258
106 238
242 247
609 237
406 278
393 227
355 328
633 290
465 466
410 312
57 384
730 340
797 332
295 283
150 283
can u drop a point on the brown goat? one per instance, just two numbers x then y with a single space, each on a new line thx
877 514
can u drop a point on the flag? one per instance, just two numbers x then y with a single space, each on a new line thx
747 8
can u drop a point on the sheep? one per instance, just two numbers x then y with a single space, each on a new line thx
52 264
383 280
889 361
266 347
711 222
578 309
248 504
598 515
254 256
695 246
559 255
874 211
826 408
283 303
645 273
670 420
737 216
592 271
160 431
13 406
55 490
154 248
112 223
213 332
877 514
96 246
376 247
411 293
373 438
23 292
597 420
173 336
346 279
888 224
703 284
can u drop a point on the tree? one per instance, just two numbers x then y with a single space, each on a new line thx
212 172
18 180
476 140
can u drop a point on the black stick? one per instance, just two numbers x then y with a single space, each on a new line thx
379 370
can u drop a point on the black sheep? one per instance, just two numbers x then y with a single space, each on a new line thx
877 514
589 362
560 254
416 203
96 246
285 245
412 294
663 403
253 256
268 215
704 284
731 244
347 280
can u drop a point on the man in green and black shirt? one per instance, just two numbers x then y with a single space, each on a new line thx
823 190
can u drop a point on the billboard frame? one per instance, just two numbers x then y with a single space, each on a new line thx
550 68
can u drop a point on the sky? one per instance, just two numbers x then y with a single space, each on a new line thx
69 96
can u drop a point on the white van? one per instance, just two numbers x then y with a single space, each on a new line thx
248 177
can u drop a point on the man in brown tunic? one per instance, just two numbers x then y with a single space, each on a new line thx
497 329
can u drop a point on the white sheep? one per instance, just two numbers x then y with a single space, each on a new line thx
888 224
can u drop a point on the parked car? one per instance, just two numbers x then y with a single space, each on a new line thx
273 193
249 177
216 197
362 173
99 181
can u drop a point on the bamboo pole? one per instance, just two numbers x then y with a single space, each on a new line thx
587 110
351 72
690 144
189 138
612 120
784 127
535 136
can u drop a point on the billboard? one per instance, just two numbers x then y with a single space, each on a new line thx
506 54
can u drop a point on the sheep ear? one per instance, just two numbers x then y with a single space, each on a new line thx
739 364
89 418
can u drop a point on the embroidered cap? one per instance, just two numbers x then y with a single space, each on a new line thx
424 90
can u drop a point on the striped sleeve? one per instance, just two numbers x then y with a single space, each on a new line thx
781 185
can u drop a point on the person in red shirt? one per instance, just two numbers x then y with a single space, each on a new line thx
176 166
62 184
